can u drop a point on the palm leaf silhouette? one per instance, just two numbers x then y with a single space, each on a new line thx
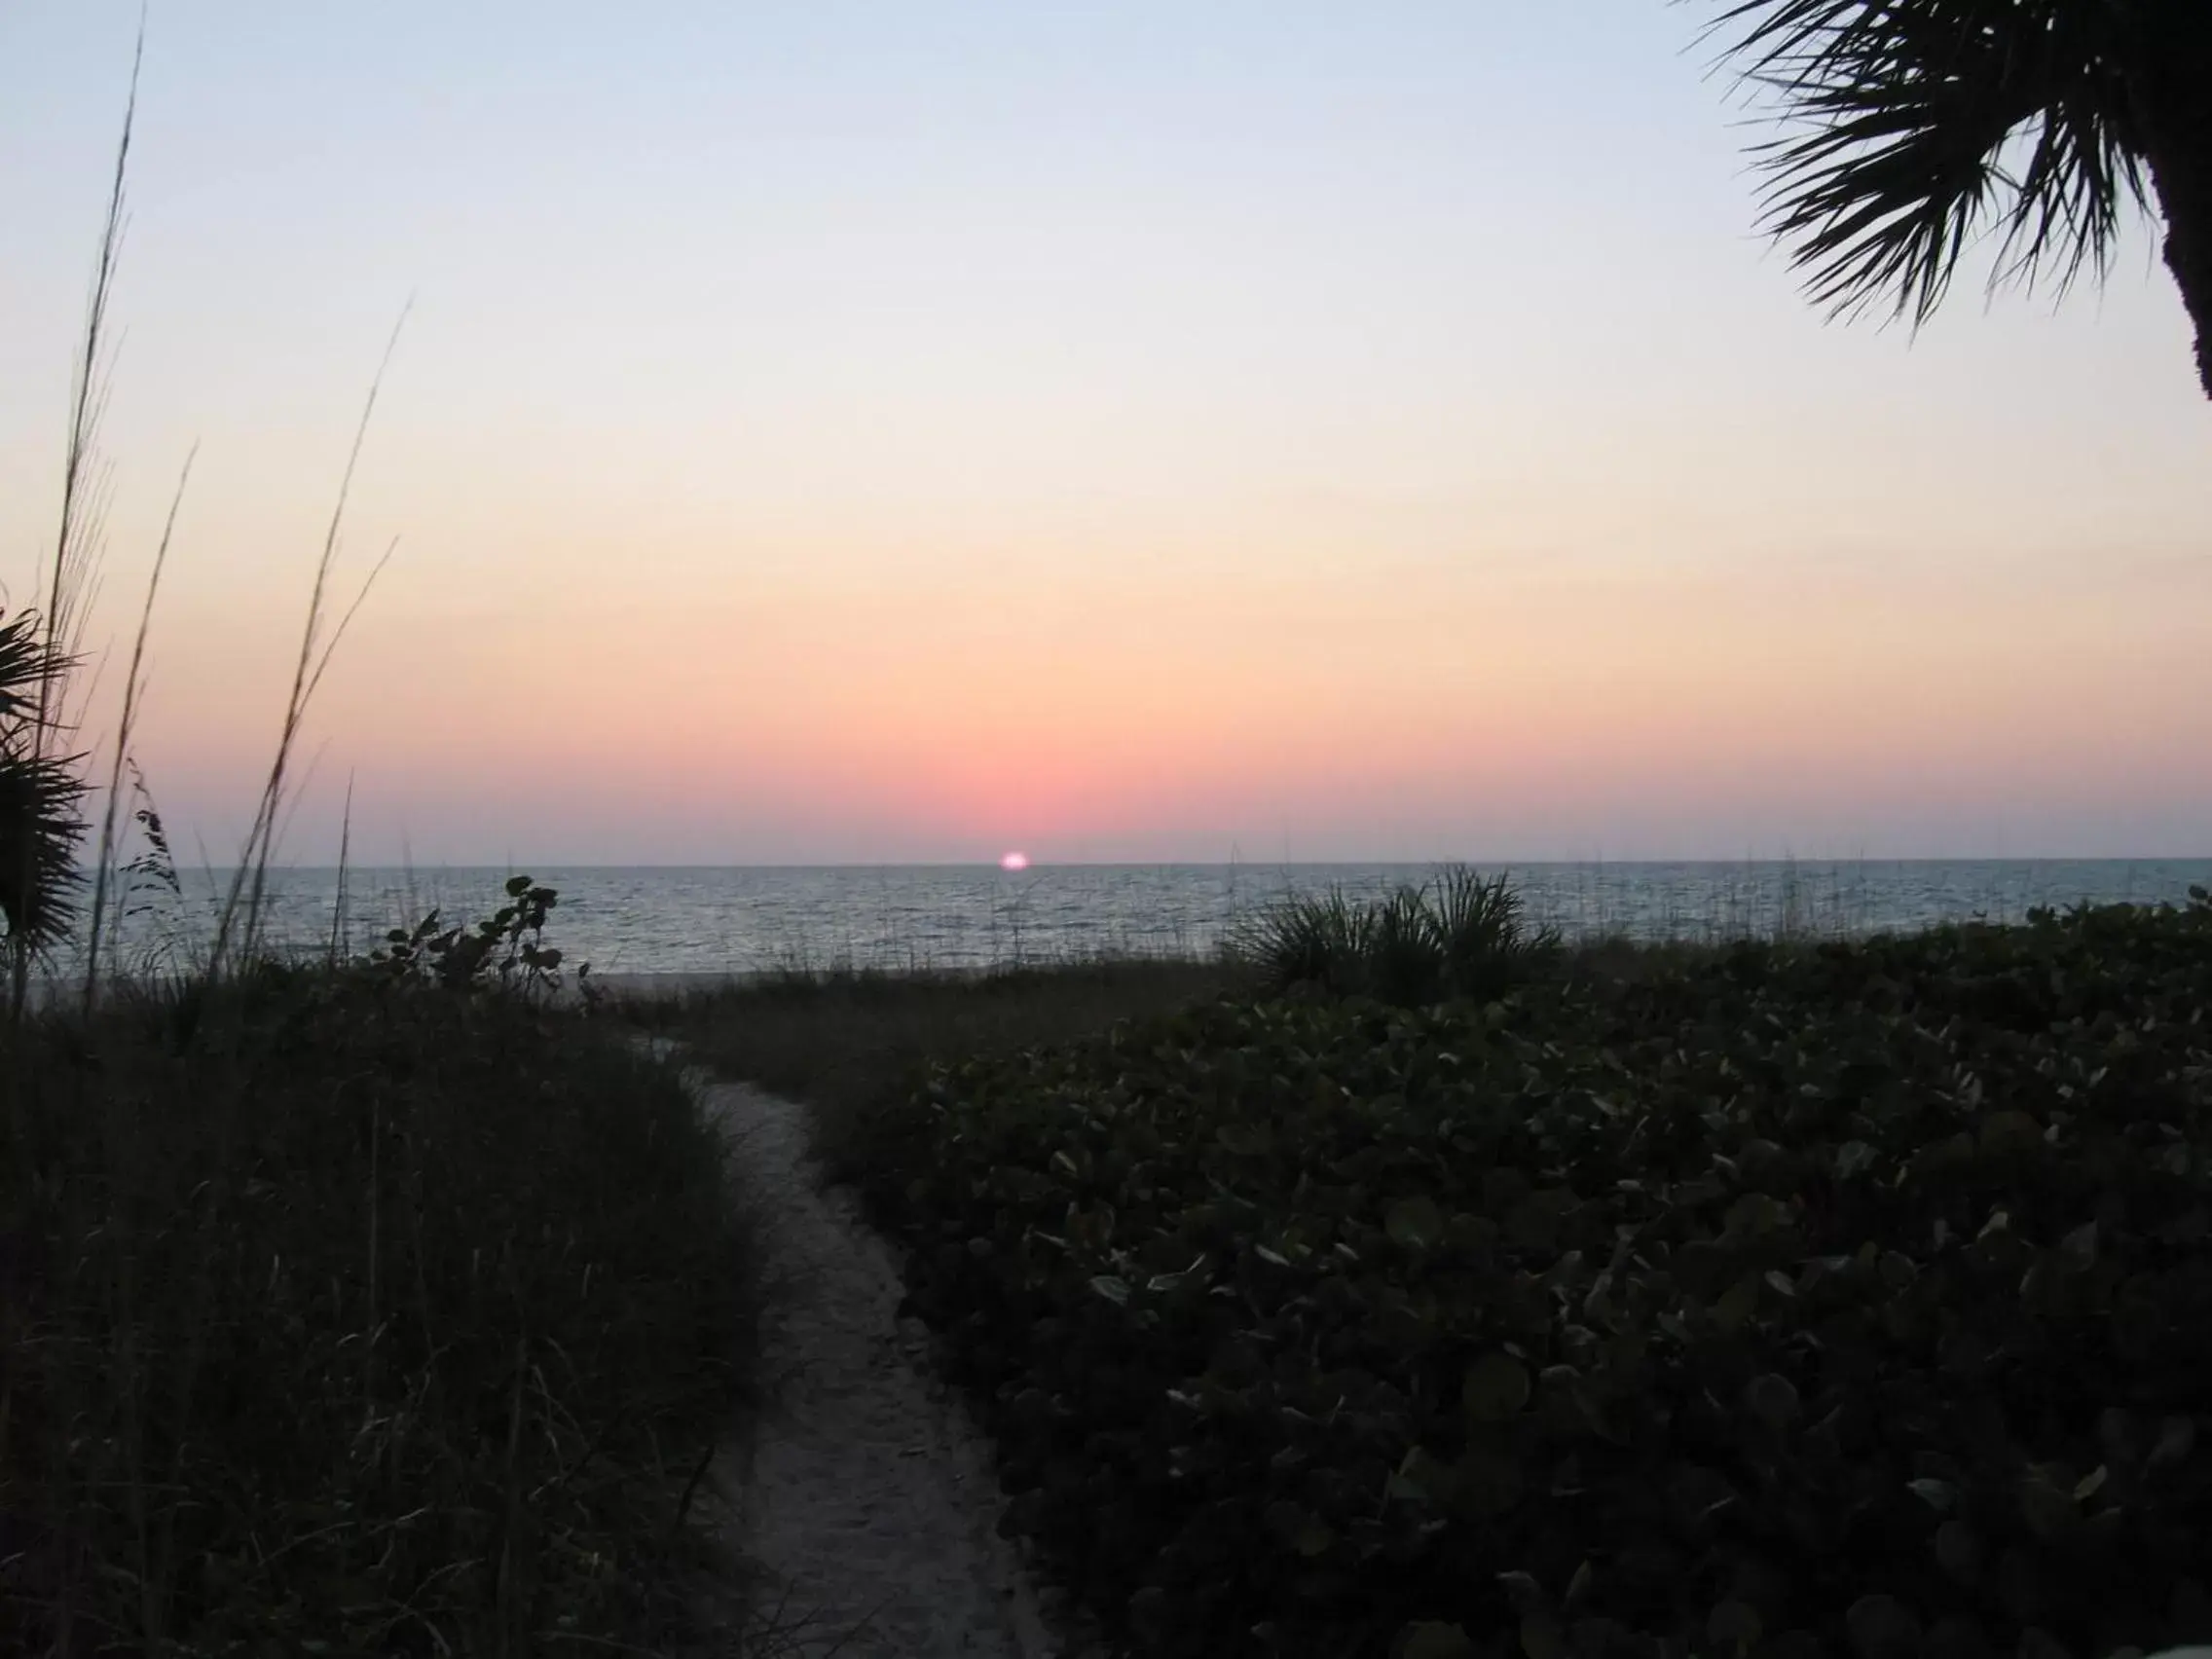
41 793
1914 129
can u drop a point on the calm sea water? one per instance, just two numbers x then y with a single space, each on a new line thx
740 920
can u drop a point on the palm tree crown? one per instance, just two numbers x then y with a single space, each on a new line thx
1912 128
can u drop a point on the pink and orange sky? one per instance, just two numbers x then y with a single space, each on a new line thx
835 431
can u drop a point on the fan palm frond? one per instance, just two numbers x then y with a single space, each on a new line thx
1915 127
41 826
41 821
27 667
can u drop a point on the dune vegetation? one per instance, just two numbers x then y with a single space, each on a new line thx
355 1309
1774 1298
349 1304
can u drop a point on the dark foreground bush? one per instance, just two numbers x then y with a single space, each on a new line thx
1842 1300
1458 935
851 1044
348 1313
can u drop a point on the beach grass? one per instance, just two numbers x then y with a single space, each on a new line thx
345 1309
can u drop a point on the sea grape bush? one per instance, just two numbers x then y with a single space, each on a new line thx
506 949
1788 1300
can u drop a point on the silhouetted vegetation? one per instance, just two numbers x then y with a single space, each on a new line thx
1456 936
361 1309
42 821
1771 1299
851 1043
369 1307
1917 126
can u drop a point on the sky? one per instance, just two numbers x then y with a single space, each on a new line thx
830 432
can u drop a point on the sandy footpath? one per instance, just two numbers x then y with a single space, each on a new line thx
646 986
863 1495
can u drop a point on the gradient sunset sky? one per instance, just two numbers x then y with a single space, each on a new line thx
901 431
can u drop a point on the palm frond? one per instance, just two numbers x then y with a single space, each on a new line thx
42 821
1459 935
42 824
1915 127
1483 934
1307 940
27 667
1402 963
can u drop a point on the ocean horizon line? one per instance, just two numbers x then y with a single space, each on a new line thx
1036 864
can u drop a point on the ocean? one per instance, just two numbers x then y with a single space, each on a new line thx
740 920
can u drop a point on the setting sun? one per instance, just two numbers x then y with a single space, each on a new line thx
1015 861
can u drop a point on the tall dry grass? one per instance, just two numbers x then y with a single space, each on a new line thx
354 1309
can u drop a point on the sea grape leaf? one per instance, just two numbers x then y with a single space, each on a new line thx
1497 1387
2078 1248
1773 1399
1959 1551
1297 1528
1734 1626
2010 1130
1431 1638
1535 1221
1523 1590
1578 1586
1940 1496
1882 1627
1421 1477
2177 1437
1246 1140
2048 1510
1737 1304
1415 1222
1485 1482
1541 1637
